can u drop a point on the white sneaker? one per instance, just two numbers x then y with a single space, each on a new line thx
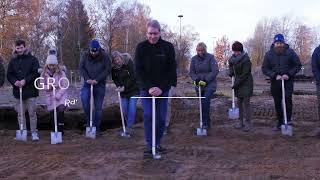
34 136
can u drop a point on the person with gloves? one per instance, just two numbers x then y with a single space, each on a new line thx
203 72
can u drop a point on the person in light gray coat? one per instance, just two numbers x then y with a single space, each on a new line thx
203 72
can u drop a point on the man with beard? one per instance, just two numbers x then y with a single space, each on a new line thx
281 62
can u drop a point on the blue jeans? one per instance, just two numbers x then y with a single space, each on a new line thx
129 107
205 102
161 112
99 91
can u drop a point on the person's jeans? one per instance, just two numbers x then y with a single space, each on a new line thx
129 107
98 96
161 112
205 102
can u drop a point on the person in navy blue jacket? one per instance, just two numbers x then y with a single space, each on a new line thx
281 62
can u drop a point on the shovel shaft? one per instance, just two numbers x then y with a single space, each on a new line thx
21 110
200 108
55 110
154 126
233 98
284 108
121 112
91 104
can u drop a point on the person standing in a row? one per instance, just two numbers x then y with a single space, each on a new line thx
281 63
124 78
22 72
95 67
156 73
240 69
203 71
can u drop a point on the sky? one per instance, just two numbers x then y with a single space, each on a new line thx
237 19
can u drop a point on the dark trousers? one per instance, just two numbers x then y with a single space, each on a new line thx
278 106
244 109
60 118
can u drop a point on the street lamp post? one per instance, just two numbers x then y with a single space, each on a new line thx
179 46
180 16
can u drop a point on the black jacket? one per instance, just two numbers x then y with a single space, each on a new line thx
23 67
279 64
97 68
155 65
124 76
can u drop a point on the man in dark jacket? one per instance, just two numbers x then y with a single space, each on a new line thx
156 73
204 71
2 72
95 67
22 72
281 62
316 72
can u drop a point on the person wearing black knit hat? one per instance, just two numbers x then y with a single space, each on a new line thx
281 63
240 69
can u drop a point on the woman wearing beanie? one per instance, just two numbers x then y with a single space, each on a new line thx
240 68
53 70
123 76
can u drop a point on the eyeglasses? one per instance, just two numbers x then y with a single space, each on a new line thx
153 33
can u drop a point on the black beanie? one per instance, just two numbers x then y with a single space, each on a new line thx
237 46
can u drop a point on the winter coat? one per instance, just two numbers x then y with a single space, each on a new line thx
279 64
155 65
315 62
61 93
23 67
97 68
205 69
125 76
240 68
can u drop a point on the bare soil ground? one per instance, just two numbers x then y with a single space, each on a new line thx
225 154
